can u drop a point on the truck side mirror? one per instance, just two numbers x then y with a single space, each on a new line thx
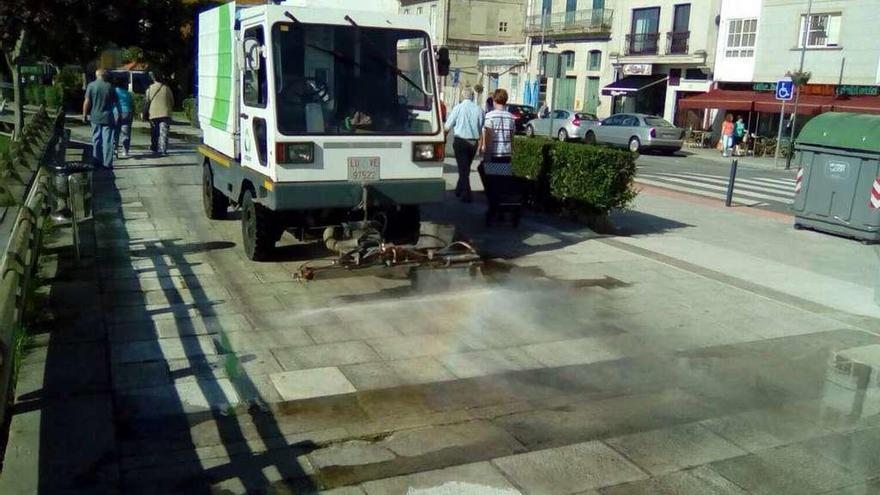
443 61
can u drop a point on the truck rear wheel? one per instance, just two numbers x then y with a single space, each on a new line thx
258 231
215 202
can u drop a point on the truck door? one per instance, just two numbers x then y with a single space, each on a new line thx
254 109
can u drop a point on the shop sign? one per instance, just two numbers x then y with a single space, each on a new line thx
636 69
825 89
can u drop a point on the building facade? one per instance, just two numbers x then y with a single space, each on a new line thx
662 51
465 25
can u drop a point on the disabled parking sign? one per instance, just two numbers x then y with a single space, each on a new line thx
784 89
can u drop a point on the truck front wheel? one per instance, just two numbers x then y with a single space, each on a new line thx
258 231
215 202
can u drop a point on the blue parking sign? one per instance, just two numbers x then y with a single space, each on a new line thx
784 89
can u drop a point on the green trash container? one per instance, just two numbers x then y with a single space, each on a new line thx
840 161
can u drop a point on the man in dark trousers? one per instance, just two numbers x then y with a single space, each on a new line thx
466 124
98 107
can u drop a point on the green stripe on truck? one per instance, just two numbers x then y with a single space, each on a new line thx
223 91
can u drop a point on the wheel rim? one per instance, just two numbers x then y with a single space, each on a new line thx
530 131
563 135
591 138
634 145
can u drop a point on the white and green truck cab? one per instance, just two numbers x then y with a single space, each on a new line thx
314 114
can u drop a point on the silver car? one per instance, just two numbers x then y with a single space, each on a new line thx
637 132
565 124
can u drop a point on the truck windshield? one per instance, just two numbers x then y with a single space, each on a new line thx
332 80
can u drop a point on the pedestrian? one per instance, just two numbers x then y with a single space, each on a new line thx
125 107
466 123
497 142
490 104
158 105
98 105
727 130
739 132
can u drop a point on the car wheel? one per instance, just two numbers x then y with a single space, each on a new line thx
530 131
214 201
590 138
562 135
634 144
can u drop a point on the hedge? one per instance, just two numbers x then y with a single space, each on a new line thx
51 96
137 101
576 177
189 108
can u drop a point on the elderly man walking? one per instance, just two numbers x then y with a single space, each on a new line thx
160 103
466 123
98 107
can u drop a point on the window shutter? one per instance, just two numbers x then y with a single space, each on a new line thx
833 30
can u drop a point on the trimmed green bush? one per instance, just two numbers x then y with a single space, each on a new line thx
592 179
579 178
54 96
189 108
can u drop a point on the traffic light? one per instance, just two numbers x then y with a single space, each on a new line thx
443 61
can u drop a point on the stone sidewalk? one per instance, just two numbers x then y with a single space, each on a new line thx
571 364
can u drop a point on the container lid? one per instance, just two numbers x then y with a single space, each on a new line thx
853 131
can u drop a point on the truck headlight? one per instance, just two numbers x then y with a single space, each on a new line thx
294 152
428 152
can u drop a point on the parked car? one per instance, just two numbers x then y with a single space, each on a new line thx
522 115
564 124
637 132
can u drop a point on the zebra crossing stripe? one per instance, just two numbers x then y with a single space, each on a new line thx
875 194
784 184
746 191
798 182
695 188
741 183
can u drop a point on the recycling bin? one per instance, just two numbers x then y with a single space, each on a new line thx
838 184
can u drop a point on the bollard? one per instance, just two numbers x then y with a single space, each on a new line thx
730 183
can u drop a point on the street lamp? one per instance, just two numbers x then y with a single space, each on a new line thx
797 93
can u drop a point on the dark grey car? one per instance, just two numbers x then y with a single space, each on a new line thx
637 132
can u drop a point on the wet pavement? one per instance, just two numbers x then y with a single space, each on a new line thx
570 364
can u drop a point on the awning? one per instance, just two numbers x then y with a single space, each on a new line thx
857 104
720 98
632 84
759 101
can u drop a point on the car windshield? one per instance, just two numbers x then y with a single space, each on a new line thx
658 122
332 79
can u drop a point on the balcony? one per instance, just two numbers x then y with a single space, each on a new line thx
590 21
677 42
500 54
642 43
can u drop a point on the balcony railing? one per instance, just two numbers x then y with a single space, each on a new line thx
677 42
506 53
589 21
642 43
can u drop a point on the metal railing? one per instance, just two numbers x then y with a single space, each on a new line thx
677 42
642 43
18 260
589 21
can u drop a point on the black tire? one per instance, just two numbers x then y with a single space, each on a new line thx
562 135
634 144
798 226
590 138
258 231
530 131
669 152
215 202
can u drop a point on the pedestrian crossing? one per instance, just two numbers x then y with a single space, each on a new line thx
752 191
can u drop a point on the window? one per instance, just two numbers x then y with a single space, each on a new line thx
822 31
741 37
514 86
502 27
595 60
254 75
567 59
419 11
546 7
405 11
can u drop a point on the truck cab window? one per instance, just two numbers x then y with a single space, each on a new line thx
341 79
254 91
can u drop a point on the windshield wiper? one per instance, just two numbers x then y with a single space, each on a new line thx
389 64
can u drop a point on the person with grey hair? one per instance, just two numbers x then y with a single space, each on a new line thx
466 123
98 106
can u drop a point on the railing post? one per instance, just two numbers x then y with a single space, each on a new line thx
730 183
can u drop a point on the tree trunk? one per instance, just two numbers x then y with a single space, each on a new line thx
13 60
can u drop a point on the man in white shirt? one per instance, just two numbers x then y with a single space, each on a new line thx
466 123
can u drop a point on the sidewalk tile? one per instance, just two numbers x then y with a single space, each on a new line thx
311 383
468 478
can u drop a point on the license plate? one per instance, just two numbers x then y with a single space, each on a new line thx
363 169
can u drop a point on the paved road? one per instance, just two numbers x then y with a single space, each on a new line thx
572 364
764 189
